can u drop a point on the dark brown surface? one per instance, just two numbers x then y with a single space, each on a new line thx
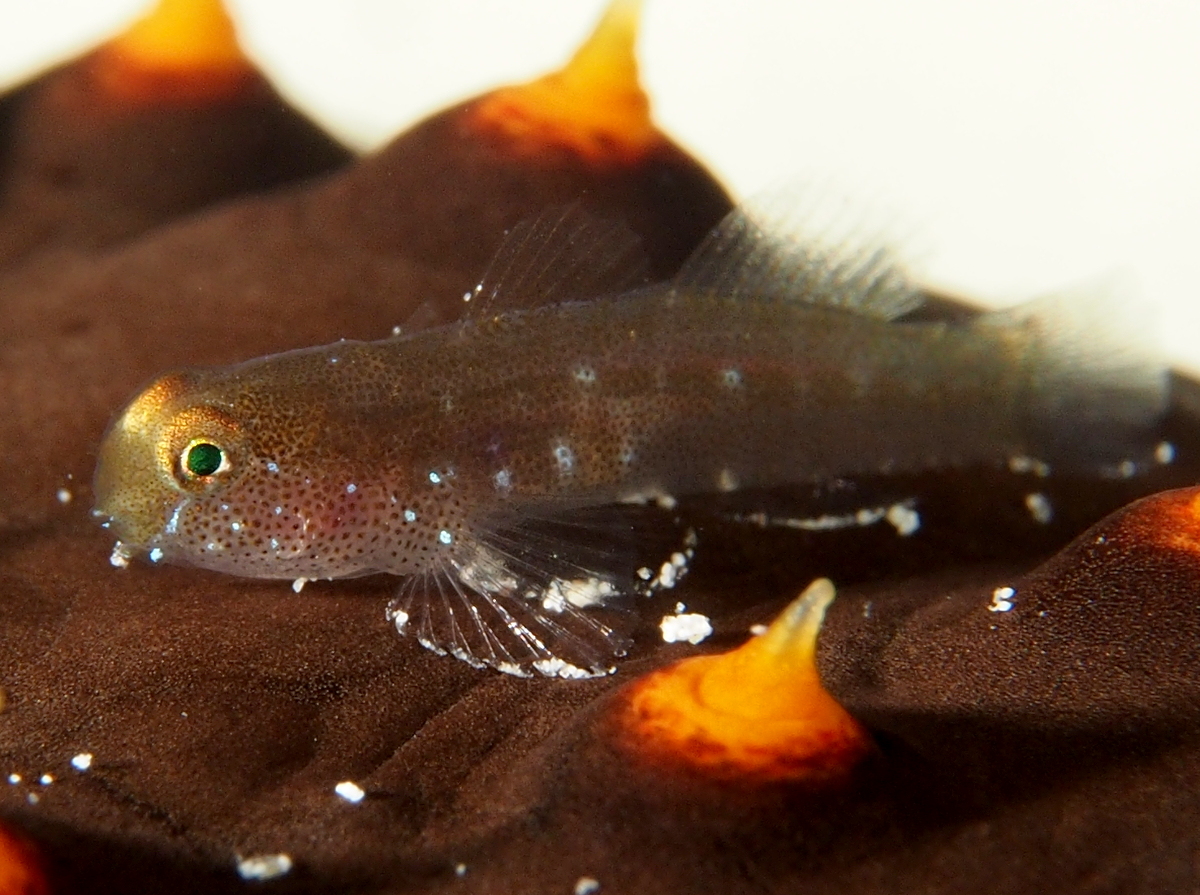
1018 752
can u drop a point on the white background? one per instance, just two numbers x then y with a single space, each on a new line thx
1029 144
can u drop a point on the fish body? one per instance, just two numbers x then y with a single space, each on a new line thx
423 455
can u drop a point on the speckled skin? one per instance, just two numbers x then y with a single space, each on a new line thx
383 456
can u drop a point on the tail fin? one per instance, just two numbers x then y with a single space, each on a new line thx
1098 384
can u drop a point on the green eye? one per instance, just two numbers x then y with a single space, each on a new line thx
202 458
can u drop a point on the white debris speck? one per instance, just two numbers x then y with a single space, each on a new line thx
645 573
410 516
1039 507
1022 464
396 330
579 592
727 481
264 867
584 374
399 618
1002 599
687 627
758 630
351 488
14 779
503 480
46 779
680 607
435 478
731 378
32 798
64 496
235 526
350 791
666 575
82 761
156 554
585 885
298 584
665 501
1126 469
1164 453
556 667
867 609
904 518
119 556
460 870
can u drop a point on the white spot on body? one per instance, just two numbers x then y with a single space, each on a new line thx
904 518
410 516
46 779
351 488
63 495
264 867
435 478
156 554
173 522
82 761
731 378
1022 464
503 480
585 885
690 627
758 630
350 791
1002 599
580 593
584 374
272 466
14 779
298 584
564 457
1039 507
1164 453
235 526
445 537
396 330
555 667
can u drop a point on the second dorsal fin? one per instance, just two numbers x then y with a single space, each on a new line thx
564 254
784 250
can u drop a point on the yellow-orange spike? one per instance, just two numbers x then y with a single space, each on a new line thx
594 107
180 49
756 714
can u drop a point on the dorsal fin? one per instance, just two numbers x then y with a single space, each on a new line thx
564 254
779 250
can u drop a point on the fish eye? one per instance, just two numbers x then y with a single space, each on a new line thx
201 459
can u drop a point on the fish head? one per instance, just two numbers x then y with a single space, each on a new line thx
168 451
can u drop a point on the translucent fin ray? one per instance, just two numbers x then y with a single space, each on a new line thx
785 249
564 254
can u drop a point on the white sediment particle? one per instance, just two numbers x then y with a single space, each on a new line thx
680 607
1022 464
731 378
351 488
410 516
727 481
399 618
460 870
63 495
645 573
350 791
665 501
503 480
119 556
32 798
46 779
564 457
1164 453
1126 469
584 374
396 330
264 867
1039 507
585 885
156 554
578 592
298 584
272 466
435 478
82 761
14 779
555 667
1002 599
904 518
687 627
